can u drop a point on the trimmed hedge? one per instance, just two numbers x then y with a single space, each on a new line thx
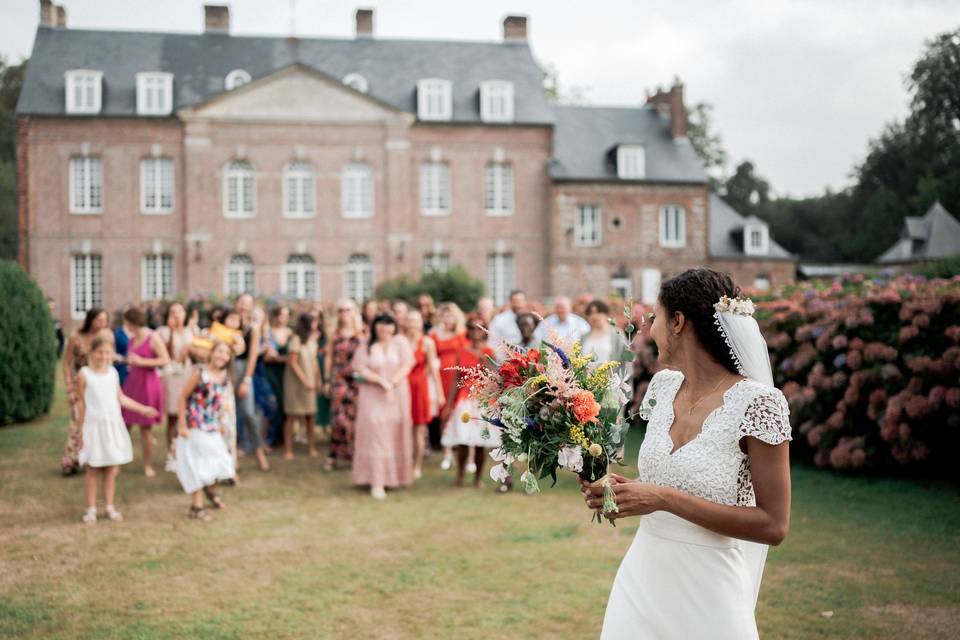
455 285
28 349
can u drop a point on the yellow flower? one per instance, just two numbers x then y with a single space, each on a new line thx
575 351
595 450
540 379
601 375
465 417
577 436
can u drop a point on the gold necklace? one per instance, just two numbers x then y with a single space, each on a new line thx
697 403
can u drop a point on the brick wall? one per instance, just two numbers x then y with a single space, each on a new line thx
746 272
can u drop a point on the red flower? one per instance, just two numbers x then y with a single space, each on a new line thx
510 373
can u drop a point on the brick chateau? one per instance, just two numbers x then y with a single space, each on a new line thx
156 165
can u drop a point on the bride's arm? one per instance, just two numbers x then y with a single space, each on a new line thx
768 522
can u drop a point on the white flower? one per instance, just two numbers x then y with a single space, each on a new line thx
499 473
571 459
500 455
737 306
522 457
620 386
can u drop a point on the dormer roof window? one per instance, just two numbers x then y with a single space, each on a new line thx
756 238
84 91
154 93
496 101
356 82
434 99
631 162
236 79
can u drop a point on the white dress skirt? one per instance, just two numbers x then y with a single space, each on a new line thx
202 459
470 434
106 442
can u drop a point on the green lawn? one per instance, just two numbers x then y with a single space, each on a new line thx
299 553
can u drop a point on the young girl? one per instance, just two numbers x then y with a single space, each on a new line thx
202 456
467 436
105 443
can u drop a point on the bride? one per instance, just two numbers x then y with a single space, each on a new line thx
714 485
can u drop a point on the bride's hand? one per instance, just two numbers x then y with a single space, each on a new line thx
634 498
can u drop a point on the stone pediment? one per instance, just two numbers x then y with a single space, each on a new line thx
297 93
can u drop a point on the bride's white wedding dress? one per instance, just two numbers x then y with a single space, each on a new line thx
679 580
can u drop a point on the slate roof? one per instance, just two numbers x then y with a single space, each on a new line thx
201 62
726 243
584 138
934 235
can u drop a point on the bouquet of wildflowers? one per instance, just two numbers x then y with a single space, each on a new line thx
556 409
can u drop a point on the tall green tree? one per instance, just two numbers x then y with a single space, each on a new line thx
706 141
11 80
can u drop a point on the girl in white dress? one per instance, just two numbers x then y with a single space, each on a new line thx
105 443
714 485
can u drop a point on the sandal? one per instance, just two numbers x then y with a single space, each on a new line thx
214 498
90 516
199 513
113 514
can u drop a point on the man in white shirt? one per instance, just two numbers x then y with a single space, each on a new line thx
504 324
562 323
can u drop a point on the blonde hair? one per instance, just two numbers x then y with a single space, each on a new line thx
461 320
355 318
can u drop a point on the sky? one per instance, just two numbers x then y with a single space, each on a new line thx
798 87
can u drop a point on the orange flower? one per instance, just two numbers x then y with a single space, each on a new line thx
585 407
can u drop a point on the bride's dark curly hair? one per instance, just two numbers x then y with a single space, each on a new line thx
693 293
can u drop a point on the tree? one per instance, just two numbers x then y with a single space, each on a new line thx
455 285
745 190
558 93
706 142
11 80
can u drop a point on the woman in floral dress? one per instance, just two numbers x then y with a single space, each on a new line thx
342 386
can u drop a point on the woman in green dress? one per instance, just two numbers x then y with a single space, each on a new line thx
275 360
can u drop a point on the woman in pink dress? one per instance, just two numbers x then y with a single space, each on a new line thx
383 432
146 355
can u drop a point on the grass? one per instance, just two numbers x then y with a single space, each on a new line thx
299 553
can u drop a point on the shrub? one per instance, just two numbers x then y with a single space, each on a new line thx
28 350
455 285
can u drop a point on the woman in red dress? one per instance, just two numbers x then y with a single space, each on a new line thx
450 336
425 367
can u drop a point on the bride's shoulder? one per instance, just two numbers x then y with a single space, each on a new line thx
766 414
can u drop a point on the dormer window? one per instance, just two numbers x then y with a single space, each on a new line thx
434 99
356 82
84 89
154 94
631 162
496 101
756 239
236 79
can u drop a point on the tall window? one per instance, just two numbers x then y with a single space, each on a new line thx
434 99
588 226
649 285
435 189
83 91
240 275
157 281
500 276
358 278
298 191
300 278
156 185
356 191
86 283
631 161
496 101
239 190
154 93
436 262
86 185
673 226
498 189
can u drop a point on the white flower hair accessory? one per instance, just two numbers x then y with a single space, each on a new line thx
738 306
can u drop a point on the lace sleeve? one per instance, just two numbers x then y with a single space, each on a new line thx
650 398
767 417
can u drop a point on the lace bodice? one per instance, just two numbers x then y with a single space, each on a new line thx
712 465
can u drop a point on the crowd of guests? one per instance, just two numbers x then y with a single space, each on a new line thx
242 380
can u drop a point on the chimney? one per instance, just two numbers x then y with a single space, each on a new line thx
48 14
216 18
515 29
364 23
61 16
670 104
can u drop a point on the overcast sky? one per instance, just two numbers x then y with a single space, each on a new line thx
798 86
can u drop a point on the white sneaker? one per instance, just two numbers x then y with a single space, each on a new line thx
170 464
90 516
378 493
446 464
113 514
471 467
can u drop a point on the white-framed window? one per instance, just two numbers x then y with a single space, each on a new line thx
622 286
756 239
498 189
434 99
154 93
439 262
239 190
356 191
236 79
631 161
356 82
761 282
496 101
358 278
86 283
299 190
156 185
83 91
649 286
500 277
435 189
588 226
240 275
673 226
301 279
157 281
86 184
